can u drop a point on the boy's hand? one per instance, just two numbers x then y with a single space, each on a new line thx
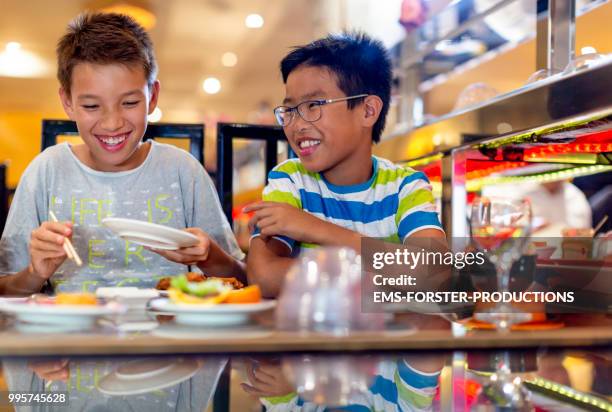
191 255
51 370
281 219
47 248
266 379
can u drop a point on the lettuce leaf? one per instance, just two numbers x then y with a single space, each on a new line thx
209 287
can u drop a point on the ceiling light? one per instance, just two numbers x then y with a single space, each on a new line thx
254 21
229 59
211 85
13 46
16 62
155 116
144 17
588 50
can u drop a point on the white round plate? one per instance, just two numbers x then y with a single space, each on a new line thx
211 315
14 299
150 234
147 375
74 315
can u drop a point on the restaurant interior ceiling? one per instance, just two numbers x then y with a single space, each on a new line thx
511 69
190 38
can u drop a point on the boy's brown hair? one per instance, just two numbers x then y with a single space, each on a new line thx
104 38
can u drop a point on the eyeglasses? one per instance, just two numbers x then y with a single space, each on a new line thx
309 110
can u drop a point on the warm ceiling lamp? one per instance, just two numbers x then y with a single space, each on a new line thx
211 85
16 62
142 15
229 59
254 21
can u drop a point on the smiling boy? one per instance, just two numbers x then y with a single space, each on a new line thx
337 92
108 85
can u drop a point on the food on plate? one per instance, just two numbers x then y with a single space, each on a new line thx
76 299
211 291
250 294
164 283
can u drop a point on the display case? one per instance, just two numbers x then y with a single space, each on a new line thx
554 129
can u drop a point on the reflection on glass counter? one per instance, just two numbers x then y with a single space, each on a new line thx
529 380
117 384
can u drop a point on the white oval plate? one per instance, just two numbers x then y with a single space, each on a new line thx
150 234
73 315
211 315
146 375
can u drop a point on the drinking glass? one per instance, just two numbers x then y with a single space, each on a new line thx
322 293
501 228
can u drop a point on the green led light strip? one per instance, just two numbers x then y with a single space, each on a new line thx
423 161
566 393
475 185
533 134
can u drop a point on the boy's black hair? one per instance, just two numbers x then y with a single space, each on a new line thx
360 63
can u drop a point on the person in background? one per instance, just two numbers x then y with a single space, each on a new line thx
554 205
598 189
108 85
560 204
337 92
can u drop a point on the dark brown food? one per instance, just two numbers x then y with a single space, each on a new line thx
164 283
195 277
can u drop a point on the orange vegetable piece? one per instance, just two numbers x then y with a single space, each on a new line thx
76 299
250 294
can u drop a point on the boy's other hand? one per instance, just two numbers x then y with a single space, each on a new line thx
47 248
191 255
51 370
282 219
266 379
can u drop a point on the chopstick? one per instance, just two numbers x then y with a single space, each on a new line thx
70 251
600 225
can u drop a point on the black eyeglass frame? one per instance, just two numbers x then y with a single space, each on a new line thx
319 102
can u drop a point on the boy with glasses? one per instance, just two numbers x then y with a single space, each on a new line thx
337 97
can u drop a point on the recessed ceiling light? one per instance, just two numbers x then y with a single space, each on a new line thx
588 50
229 59
155 116
16 62
211 85
254 21
13 46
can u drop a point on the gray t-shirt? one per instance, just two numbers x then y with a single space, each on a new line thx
170 188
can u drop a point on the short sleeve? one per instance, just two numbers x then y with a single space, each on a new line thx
203 209
281 188
416 389
28 210
416 208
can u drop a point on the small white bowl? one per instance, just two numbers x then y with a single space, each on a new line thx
134 298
